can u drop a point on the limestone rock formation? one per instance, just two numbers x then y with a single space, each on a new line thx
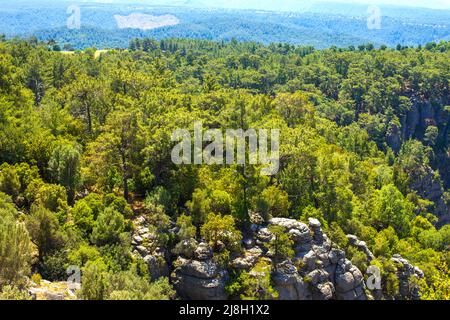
404 272
289 283
319 269
200 278
413 125
360 245
143 241
324 273
47 290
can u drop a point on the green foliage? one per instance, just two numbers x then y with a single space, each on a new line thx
389 279
100 284
108 227
9 181
199 206
273 203
280 246
86 145
83 217
128 286
95 281
385 242
119 204
50 196
43 227
15 249
255 284
413 155
54 266
14 293
186 236
220 232
83 255
186 229
438 287
64 166
337 235
159 197
391 209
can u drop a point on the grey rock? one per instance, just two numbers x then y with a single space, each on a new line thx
143 230
318 276
157 265
203 252
264 236
361 246
198 269
138 239
289 283
199 280
310 260
289 224
345 282
143 251
335 255
325 291
404 272
248 259
255 218
314 224
248 243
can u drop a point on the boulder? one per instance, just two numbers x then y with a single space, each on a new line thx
203 252
263 236
199 280
405 271
361 246
143 251
248 259
349 281
157 265
324 291
289 284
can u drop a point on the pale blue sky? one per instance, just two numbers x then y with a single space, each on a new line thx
439 4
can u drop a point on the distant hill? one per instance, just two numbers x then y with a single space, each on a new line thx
318 24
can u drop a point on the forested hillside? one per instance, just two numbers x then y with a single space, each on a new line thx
318 24
86 176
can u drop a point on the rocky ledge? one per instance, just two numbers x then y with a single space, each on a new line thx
319 270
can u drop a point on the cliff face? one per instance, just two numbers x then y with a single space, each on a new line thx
326 273
319 270
414 124
429 186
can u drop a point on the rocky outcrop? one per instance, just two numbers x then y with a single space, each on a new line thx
361 246
349 281
419 117
143 241
200 278
429 186
319 271
405 271
289 283
47 290
248 259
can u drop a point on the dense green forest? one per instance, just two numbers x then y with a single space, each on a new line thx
85 152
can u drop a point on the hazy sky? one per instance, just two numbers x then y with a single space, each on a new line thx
439 4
